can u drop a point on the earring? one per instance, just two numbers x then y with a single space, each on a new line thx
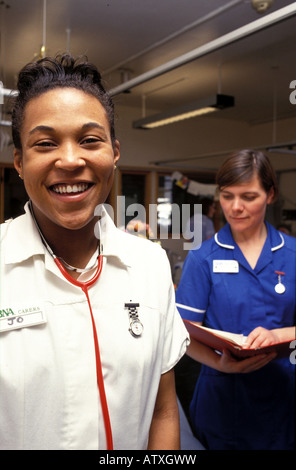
115 167
20 176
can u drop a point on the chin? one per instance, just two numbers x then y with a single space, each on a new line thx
73 223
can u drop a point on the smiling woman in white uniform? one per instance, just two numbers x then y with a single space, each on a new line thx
89 329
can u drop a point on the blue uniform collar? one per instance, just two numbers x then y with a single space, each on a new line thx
224 238
273 242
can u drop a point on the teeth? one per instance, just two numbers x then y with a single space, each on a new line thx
68 188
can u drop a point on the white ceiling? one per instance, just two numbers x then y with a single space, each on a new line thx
126 38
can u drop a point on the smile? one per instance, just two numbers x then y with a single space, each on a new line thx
70 188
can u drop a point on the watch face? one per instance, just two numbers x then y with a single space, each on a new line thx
136 328
280 288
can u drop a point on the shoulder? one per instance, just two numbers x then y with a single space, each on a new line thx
135 250
203 252
211 247
137 242
3 228
290 244
198 262
11 226
281 240
130 248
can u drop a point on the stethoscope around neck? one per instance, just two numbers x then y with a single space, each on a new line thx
84 286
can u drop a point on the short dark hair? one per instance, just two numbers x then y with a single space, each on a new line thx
242 166
61 71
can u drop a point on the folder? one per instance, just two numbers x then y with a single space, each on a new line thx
220 340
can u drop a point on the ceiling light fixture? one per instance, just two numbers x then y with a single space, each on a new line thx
288 150
190 110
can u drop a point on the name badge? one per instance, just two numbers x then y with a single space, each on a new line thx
225 266
14 317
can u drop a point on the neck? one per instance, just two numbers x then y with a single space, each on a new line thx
257 235
73 246
251 244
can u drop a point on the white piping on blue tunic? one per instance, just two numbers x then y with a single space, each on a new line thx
222 244
192 309
232 247
280 245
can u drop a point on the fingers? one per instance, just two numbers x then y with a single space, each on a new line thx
259 338
256 362
250 364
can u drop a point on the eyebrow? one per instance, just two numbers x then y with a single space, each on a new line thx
244 192
87 125
41 128
92 124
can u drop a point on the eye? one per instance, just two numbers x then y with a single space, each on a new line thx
44 144
226 196
90 140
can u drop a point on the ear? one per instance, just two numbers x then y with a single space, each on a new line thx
270 196
116 149
18 162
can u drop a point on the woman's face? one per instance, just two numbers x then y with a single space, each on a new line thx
67 158
244 205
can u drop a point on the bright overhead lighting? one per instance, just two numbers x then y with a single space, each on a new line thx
190 110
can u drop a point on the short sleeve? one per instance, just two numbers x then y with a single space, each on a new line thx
174 334
193 291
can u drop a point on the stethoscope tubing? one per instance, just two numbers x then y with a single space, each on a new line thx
100 380
84 286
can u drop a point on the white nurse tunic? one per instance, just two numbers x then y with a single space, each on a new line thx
49 397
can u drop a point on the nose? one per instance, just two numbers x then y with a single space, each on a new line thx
237 205
69 157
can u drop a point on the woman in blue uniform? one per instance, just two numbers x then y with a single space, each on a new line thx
242 280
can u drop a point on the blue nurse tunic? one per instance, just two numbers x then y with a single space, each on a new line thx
220 289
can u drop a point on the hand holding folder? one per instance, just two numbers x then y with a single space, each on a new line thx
220 340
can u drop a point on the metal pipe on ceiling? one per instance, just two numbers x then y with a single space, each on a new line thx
5 123
161 42
8 92
229 38
283 147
